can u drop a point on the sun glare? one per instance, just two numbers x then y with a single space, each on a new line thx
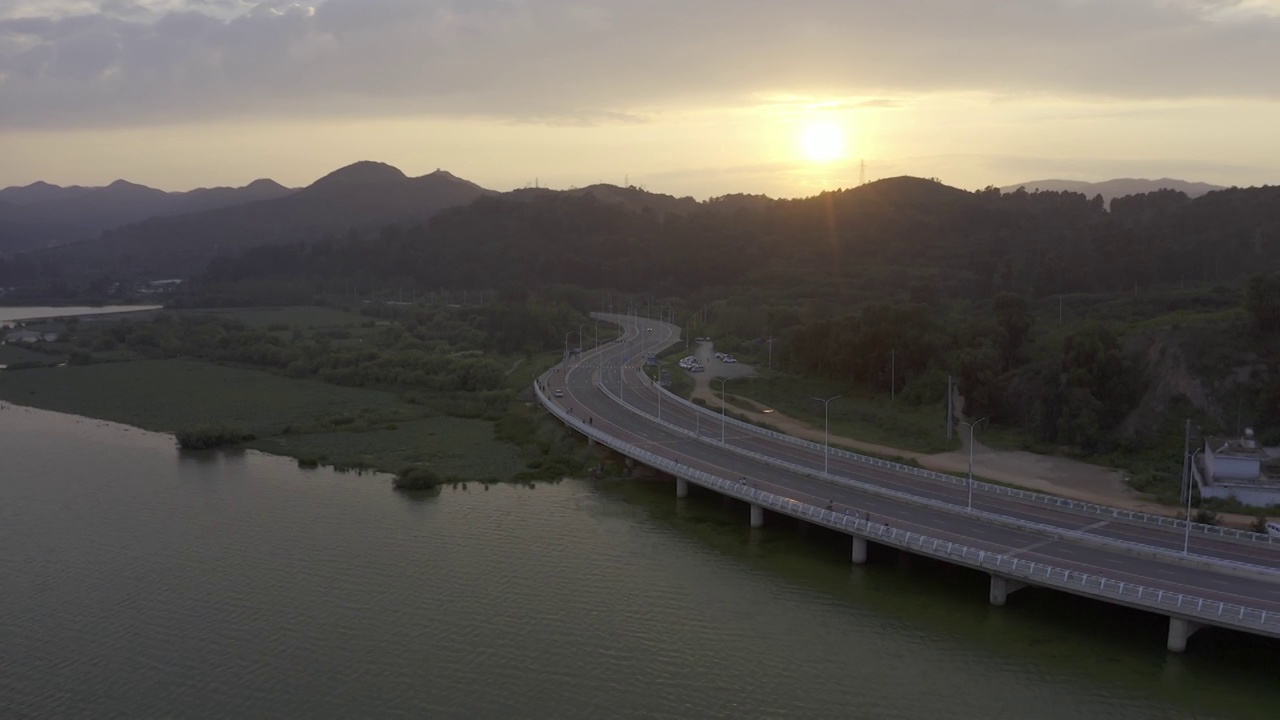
823 141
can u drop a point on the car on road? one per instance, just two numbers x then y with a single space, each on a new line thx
728 359
559 393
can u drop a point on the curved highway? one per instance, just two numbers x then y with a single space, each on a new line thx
579 385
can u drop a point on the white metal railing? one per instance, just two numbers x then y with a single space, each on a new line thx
979 486
1165 601
1133 548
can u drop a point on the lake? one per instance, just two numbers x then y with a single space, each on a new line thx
11 314
137 581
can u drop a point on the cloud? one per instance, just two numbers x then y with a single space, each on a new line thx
82 63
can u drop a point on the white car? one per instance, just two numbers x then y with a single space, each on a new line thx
559 393
729 359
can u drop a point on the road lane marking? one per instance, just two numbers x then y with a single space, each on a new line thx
1032 546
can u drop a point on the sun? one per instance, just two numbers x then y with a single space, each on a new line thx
823 141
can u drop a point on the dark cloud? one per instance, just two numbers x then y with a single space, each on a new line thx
584 61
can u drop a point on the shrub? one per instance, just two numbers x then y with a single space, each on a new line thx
207 437
417 478
1206 517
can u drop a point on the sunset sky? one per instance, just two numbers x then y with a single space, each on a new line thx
688 97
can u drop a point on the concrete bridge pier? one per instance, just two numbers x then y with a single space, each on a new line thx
859 554
757 516
682 487
1002 587
1179 631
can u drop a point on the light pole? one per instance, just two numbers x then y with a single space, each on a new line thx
658 388
1186 534
566 345
971 425
826 425
722 380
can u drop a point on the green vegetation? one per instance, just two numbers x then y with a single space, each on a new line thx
417 477
14 355
306 317
875 419
167 395
209 437
388 388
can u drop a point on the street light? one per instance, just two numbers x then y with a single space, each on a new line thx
722 380
826 425
971 425
658 388
566 344
1186 535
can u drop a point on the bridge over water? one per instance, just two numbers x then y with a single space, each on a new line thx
1197 575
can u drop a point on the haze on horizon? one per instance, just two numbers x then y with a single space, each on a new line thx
690 98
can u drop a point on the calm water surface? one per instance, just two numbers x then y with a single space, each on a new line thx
10 314
139 582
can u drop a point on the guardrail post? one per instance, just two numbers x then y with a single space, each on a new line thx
682 487
757 516
1179 631
1002 587
859 554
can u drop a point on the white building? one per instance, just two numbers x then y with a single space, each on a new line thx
1239 469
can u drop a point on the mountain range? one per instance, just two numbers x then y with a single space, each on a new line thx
124 226
42 215
1119 187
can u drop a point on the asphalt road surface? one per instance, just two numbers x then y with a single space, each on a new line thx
589 403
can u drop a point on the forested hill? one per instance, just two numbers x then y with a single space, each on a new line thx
984 242
978 243
360 197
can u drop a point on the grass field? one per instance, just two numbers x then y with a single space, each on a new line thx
869 419
302 316
454 447
13 354
165 395
299 418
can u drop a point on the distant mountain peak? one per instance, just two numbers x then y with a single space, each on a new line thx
265 184
123 184
1118 187
365 172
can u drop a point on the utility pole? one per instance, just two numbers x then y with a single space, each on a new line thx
1059 309
950 409
770 352
893 374
1186 466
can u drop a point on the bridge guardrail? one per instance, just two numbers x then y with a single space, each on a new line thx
1028 495
1134 548
1166 601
